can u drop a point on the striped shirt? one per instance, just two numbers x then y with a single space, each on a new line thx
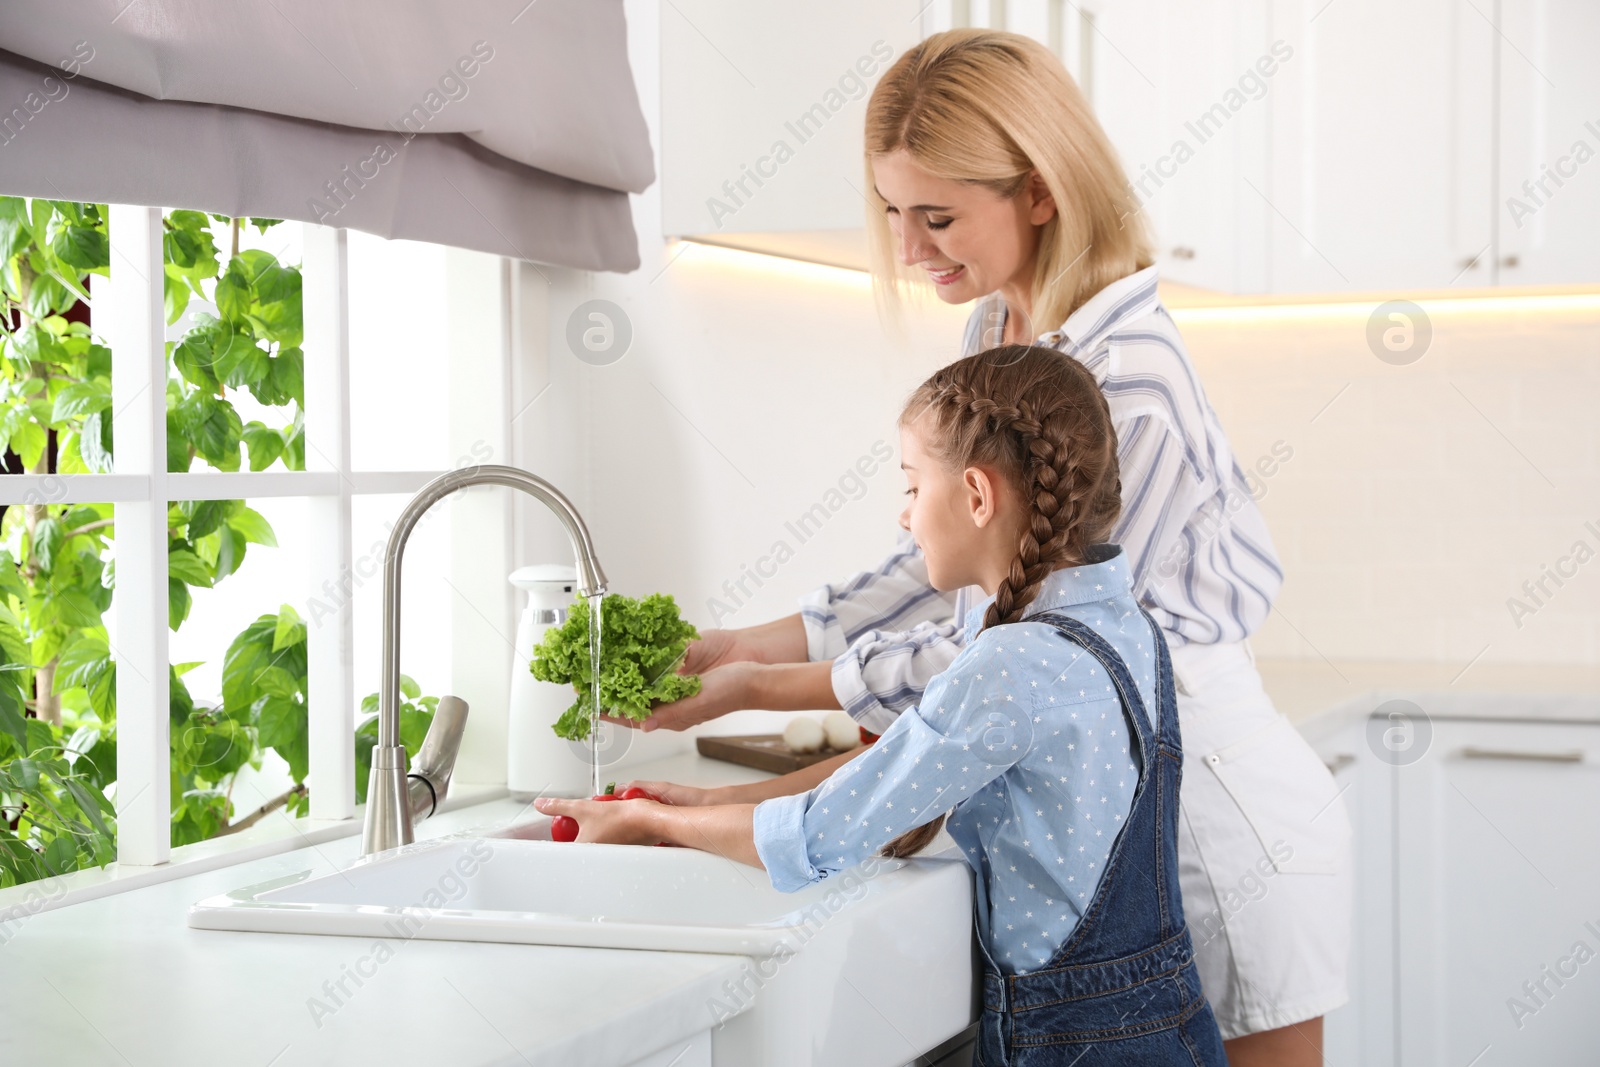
1203 563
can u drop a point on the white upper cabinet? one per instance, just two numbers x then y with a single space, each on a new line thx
1201 180
1181 88
761 120
1548 216
1380 146
1276 146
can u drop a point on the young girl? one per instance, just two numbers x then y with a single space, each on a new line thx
1051 740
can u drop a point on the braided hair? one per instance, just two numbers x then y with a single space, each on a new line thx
1037 417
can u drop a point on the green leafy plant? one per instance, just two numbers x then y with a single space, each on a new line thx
641 643
59 817
252 342
57 672
416 715
265 691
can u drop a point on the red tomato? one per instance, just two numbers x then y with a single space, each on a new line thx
633 792
866 738
605 796
564 828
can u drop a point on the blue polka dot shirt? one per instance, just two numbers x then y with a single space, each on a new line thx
1022 741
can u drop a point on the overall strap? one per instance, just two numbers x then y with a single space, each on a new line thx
1157 737
1166 692
1149 727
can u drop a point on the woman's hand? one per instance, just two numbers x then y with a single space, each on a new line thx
725 688
716 648
779 641
737 686
614 822
730 687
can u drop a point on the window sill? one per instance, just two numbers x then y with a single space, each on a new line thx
269 837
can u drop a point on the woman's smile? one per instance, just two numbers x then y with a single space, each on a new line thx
968 239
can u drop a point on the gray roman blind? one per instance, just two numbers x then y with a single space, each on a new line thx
505 128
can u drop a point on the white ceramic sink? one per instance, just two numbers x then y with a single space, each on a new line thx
520 886
871 966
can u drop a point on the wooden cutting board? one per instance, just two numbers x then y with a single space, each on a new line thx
765 752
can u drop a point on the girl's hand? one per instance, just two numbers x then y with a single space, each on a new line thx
724 829
683 796
615 822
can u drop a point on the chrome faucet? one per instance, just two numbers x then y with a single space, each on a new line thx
395 803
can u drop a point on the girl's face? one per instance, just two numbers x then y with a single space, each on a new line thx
970 241
967 523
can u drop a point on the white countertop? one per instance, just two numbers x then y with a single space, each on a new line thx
1304 688
122 980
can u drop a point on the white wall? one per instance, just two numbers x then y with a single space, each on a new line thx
1422 497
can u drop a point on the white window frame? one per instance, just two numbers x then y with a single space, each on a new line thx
129 313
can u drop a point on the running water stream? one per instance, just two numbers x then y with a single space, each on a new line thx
595 600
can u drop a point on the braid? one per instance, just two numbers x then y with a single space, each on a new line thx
1039 417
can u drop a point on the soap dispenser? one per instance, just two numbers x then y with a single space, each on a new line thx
537 761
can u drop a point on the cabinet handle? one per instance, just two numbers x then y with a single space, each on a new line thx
1339 762
1470 262
1510 261
1570 756
1183 252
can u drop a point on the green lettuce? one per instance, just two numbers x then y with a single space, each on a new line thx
640 644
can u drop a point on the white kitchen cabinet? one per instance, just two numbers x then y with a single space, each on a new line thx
1276 146
1210 217
761 120
741 167
1498 878
1547 215
1403 136
1362 1031
1381 145
1164 80
1477 871
1303 146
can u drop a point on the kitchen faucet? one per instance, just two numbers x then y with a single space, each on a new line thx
396 800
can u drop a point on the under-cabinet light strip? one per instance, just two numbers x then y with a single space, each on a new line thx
1514 302
1363 309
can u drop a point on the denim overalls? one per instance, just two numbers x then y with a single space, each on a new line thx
1123 989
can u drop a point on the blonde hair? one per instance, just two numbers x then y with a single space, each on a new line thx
989 108
1038 418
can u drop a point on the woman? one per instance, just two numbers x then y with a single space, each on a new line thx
990 177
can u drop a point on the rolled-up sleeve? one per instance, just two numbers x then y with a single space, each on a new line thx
894 596
781 843
884 673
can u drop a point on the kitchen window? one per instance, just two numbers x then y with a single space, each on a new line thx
389 404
